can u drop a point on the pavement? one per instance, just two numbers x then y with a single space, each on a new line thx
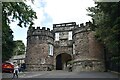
63 75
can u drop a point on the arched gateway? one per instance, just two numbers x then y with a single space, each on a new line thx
62 61
53 49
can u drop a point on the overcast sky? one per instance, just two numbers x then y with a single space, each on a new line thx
51 12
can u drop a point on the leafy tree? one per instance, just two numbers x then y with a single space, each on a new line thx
12 11
106 18
7 42
19 47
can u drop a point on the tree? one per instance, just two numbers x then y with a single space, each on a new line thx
106 18
12 11
19 48
7 42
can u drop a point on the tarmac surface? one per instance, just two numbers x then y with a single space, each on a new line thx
63 75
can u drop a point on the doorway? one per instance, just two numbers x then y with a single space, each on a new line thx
62 60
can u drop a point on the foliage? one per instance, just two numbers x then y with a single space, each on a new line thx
19 11
7 41
106 18
12 11
19 47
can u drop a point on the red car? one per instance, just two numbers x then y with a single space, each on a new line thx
8 67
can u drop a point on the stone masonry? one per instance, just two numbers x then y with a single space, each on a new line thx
67 46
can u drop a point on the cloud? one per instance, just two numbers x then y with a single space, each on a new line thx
44 19
19 33
42 3
68 10
51 12
47 20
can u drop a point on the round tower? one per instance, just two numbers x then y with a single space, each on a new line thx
39 53
87 51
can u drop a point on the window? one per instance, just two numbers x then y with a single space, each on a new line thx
56 36
73 48
37 37
70 35
42 61
50 48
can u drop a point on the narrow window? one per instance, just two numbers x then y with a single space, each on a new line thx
70 35
50 52
37 37
73 48
42 61
56 36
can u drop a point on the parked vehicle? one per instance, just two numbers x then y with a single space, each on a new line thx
8 67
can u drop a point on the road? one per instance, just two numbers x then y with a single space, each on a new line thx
63 74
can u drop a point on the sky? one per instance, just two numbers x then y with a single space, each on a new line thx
51 12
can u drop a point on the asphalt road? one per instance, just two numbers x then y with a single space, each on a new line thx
63 75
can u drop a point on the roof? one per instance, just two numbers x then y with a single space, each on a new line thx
19 57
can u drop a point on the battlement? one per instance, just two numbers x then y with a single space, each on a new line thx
71 24
43 28
64 27
60 27
39 32
64 24
82 28
87 24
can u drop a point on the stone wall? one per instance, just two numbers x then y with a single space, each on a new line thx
63 46
89 53
37 56
84 51
88 65
96 49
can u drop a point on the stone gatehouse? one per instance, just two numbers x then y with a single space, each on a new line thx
67 46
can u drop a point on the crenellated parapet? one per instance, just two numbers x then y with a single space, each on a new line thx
62 27
82 28
64 24
40 32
